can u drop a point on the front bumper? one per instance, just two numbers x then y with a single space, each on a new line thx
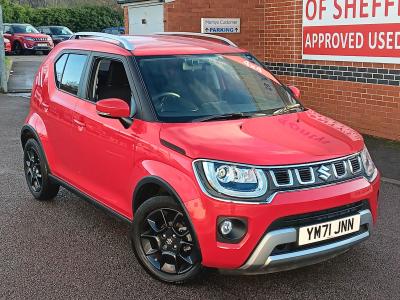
261 218
264 261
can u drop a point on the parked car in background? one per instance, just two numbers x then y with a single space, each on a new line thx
26 39
114 30
57 33
7 46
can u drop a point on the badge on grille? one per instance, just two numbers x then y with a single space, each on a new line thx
324 173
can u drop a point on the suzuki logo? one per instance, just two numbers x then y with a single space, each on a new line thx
324 173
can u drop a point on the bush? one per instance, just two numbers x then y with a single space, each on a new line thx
84 18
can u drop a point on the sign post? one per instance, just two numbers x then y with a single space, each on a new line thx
220 25
362 31
3 81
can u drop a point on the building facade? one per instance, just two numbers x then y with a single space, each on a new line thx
343 76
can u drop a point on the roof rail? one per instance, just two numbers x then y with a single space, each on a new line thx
122 42
204 35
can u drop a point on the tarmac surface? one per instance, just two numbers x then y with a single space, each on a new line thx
67 249
23 72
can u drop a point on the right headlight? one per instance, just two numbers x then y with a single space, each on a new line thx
369 166
227 180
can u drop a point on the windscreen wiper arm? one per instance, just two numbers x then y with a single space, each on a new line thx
286 109
232 116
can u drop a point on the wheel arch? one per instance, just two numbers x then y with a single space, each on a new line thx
152 181
28 132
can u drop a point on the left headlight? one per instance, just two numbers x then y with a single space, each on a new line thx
225 179
29 39
368 164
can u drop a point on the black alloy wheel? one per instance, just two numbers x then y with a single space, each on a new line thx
164 241
33 170
37 173
18 50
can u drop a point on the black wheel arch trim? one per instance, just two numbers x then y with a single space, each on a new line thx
37 138
158 180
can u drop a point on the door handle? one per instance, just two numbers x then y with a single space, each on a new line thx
80 124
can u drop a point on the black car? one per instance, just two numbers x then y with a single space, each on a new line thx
57 33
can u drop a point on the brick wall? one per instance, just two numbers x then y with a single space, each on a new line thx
185 15
365 96
126 19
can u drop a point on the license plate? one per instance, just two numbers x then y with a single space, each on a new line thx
329 230
42 45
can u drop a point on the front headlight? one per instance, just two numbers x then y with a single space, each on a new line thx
225 179
368 164
29 39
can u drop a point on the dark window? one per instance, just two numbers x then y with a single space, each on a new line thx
109 80
59 69
72 74
45 30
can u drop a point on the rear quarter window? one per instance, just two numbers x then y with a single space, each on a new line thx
68 72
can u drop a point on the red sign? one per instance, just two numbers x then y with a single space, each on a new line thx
352 30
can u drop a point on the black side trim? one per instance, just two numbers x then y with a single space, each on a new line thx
172 147
165 185
89 199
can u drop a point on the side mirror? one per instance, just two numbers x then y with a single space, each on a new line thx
9 32
296 92
113 108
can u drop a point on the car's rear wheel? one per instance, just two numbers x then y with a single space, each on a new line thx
37 173
164 241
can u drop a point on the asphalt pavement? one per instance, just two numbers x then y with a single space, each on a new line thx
67 249
23 72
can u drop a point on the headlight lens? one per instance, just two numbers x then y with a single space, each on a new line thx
368 164
29 39
235 180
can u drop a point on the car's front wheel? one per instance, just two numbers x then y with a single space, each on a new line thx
163 241
37 173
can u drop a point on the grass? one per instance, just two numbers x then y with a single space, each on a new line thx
8 63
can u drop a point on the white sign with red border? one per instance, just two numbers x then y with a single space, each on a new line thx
352 30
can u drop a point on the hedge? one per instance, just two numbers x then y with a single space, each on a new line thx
84 18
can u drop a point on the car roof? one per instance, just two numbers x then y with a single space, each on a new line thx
146 45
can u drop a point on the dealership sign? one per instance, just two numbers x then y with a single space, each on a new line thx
220 25
352 30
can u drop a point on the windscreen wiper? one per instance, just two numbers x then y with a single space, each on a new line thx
232 116
287 108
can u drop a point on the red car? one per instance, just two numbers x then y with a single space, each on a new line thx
7 46
26 39
212 159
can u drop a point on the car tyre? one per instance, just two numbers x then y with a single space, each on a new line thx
163 241
37 172
17 48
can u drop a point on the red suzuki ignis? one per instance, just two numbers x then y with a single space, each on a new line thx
213 161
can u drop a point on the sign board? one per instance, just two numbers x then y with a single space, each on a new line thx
220 25
357 31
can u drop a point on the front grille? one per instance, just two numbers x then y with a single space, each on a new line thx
314 174
40 39
282 177
319 217
355 164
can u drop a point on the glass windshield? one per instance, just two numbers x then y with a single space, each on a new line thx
60 31
190 87
24 29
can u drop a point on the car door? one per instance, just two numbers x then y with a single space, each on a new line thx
57 110
105 146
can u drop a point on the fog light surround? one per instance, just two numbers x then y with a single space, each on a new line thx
231 230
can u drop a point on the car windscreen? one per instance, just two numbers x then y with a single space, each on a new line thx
185 88
24 29
60 31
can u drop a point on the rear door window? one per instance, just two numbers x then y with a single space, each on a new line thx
72 73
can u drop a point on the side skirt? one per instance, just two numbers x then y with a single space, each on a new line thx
90 199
